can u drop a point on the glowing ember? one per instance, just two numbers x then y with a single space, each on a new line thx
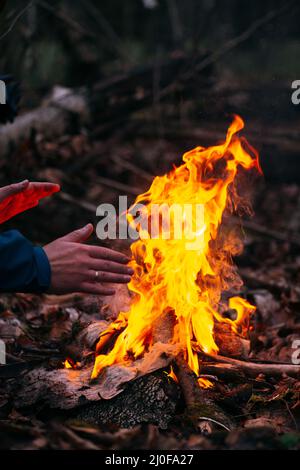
70 364
186 275
67 364
172 375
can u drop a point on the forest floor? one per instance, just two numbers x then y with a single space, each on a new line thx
264 410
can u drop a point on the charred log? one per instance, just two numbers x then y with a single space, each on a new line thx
150 399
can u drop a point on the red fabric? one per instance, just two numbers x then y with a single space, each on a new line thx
21 202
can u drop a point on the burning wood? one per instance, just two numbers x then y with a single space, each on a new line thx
179 327
181 279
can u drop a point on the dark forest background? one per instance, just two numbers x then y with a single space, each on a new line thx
79 42
161 77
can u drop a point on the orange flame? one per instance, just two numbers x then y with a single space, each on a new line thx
172 375
67 364
170 276
70 364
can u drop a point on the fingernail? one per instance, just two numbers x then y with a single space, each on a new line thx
130 271
24 183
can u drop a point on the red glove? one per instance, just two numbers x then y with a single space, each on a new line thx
20 197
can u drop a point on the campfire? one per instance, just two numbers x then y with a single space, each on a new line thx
184 272
150 228
175 343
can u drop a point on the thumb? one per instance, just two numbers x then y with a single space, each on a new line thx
81 235
13 189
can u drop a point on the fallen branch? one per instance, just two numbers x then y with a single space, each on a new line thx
89 207
199 404
231 45
118 186
268 233
68 110
127 165
16 19
51 120
283 139
256 281
234 366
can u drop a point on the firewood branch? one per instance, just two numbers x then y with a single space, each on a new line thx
226 365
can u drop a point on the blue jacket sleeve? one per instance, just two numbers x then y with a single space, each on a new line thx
23 267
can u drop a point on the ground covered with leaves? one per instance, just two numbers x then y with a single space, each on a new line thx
263 411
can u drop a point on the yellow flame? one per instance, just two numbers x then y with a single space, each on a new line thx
172 375
170 277
70 364
67 364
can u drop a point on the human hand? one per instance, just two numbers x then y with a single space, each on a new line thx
77 267
19 197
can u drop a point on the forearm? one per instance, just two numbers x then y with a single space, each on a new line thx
23 267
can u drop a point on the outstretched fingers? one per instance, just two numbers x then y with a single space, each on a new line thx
110 267
96 289
100 276
41 190
107 254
